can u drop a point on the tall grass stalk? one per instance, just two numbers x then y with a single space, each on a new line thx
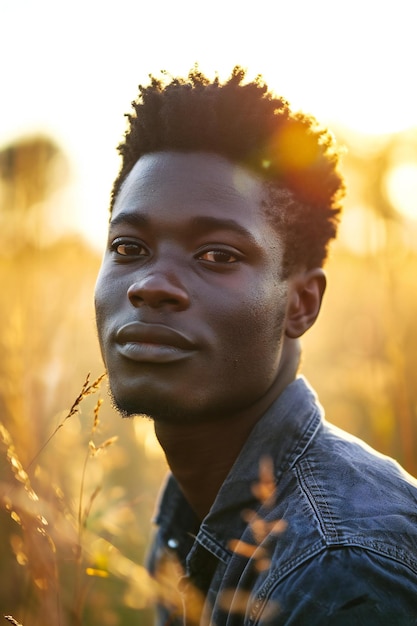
36 548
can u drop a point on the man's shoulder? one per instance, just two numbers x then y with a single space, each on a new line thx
340 586
341 494
347 480
346 551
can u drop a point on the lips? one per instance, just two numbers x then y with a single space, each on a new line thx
153 343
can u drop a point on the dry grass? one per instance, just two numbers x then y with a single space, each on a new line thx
35 547
61 550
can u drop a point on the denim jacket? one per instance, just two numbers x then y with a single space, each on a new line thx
334 543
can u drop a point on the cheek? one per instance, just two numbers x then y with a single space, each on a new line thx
255 327
100 300
246 360
106 295
109 288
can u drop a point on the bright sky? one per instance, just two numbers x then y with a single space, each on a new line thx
71 68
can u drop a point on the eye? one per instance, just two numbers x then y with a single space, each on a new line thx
218 256
128 248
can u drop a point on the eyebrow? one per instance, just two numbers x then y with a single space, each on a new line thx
206 223
201 223
138 220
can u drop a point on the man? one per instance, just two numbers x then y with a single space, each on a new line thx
220 221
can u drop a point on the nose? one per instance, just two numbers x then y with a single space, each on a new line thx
158 290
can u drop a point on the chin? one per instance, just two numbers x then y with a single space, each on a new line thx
158 411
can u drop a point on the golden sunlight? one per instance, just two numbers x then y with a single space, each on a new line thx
329 59
401 185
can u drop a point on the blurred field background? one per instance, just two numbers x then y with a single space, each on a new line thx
75 513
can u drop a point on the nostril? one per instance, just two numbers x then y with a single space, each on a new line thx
158 291
133 296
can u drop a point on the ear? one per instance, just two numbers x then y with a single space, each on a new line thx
306 290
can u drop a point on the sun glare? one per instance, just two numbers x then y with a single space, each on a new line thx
401 187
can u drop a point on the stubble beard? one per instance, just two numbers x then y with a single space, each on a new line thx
157 410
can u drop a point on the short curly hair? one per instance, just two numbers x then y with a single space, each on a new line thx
247 124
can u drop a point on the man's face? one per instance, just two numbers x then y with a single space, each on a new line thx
189 300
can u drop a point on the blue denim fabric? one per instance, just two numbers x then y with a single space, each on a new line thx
347 554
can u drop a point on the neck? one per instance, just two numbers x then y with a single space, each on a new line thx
201 454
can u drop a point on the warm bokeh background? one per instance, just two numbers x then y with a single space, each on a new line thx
75 514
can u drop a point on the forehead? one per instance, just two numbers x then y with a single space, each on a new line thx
174 186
